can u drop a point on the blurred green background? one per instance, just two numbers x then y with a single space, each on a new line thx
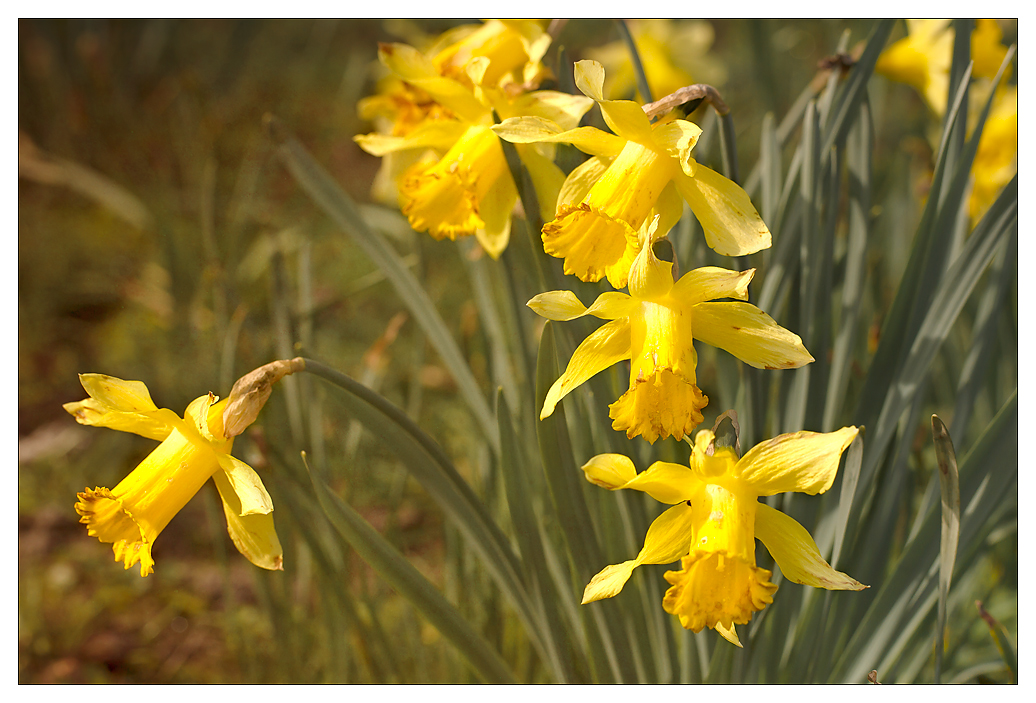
156 232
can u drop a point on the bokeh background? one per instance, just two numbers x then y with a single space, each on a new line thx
158 238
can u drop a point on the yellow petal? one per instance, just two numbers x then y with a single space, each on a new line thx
124 396
669 209
526 130
611 471
411 66
563 305
904 62
611 305
557 305
987 50
794 550
667 540
496 207
563 109
435 134
628 120
711 282
608 345
749 334
805 462
678 138
153 425
731 223
254 534
242 479
121 405
589 78
580 180
650 278
728 634
669 536
665 482
608 582
624 117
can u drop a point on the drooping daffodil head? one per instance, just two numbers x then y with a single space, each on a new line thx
192 449
655 326
715 518
639 170
922 59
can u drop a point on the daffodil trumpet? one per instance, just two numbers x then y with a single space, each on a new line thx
192 449
715 518
655 326
641 170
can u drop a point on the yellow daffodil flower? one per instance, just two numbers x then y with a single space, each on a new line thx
466 187
996 160
640 170
193 448
923 58
715 520
675 53
514 49
655 326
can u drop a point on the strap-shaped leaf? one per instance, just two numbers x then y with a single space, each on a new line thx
326 193
412 585
426 462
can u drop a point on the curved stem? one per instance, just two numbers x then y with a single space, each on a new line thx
638 65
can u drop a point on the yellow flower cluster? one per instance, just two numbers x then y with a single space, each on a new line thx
443 116
448 167
922 60
441 120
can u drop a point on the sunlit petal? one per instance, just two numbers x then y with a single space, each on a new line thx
665 542
253 533
711 282
804 462
794 550
731 223
749 334
608 345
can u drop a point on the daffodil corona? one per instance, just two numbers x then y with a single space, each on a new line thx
716 518
655 326
193 448
639 171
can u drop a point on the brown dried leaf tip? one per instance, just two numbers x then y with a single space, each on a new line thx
250 393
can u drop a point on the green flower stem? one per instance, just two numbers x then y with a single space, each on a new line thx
638 65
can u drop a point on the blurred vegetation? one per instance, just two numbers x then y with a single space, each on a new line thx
159 238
